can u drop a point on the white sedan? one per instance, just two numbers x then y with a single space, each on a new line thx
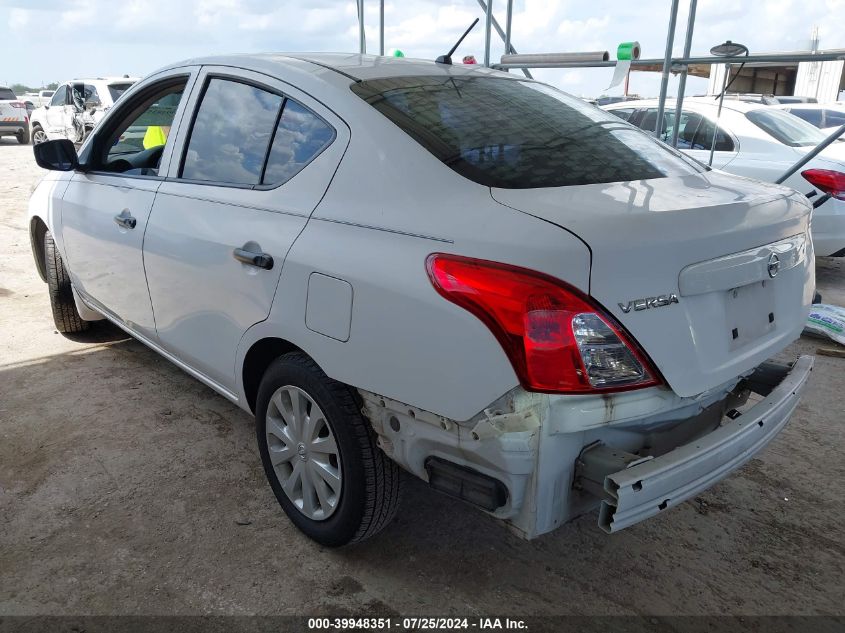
759 142
503 290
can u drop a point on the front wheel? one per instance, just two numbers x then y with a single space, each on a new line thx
320 454
38 135
65 315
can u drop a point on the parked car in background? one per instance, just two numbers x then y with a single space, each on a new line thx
759 142
534 308
825 116
769 99
74 118
40 98
14 116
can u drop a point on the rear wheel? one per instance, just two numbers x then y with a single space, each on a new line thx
320 454
38 135
65 315
23 136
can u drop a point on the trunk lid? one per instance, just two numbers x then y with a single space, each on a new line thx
708 239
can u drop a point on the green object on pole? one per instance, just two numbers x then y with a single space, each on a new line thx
397 53
628 50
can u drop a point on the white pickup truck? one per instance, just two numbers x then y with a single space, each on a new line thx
14 119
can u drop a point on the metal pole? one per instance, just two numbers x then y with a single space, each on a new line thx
381 27
488 27
503 35
682 84
667 64
808 157
362 42
719 114
508 20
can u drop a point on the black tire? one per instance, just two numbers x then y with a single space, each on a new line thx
65 314
370 486
23 136
35 130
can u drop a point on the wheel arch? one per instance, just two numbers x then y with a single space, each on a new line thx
37 230
256 361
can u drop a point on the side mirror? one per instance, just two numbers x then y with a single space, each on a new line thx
59 155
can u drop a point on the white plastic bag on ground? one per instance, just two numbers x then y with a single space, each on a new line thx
827 321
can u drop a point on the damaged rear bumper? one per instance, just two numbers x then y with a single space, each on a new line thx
537 461
648 487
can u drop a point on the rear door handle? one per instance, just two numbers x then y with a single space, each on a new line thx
125 220
259 260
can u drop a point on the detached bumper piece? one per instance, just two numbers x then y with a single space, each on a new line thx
645 488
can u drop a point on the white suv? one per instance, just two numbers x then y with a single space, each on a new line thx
511 294
14 118
76 107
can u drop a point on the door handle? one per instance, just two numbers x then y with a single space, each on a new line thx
259 260
125 220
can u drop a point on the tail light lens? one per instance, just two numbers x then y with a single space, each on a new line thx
18 104
827 181
557 339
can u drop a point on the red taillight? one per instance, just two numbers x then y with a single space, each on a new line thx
557 339
18 104
827 181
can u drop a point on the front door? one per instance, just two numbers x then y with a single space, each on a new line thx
258 159
58 114
106 208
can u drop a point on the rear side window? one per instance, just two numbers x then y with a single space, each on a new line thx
245 135
786 128
519 134
813 117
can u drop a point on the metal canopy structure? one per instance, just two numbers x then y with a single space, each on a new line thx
697 66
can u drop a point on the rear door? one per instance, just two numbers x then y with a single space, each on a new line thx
105 210
257 159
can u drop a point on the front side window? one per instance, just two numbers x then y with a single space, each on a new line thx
834 118
245 135
136 145
623 113
786 128
59 97
519 134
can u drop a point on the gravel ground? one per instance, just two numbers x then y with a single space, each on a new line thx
128 487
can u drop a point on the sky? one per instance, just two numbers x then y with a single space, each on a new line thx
57 40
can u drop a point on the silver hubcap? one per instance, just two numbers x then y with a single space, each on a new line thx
303 452
39 137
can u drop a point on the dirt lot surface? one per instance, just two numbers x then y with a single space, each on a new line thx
128 487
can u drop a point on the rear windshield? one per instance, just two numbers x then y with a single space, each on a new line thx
519 134
6 94
785 127
115 90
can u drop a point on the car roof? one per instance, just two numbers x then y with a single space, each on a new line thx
709 101
810 106
352 65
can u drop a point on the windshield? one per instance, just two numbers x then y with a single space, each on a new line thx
6 94
519 134
115 90
785 127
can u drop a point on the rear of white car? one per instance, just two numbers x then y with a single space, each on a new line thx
536 307
14 118
635 383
